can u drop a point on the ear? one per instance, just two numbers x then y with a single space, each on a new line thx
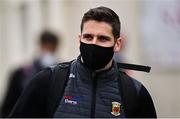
79 39
117 45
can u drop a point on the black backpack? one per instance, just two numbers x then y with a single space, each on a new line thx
126 86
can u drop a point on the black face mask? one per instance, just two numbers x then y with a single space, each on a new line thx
94 56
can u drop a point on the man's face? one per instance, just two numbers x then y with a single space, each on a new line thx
99 33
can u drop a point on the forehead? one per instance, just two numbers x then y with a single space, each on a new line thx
97 28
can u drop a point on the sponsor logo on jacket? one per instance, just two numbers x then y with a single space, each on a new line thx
74 100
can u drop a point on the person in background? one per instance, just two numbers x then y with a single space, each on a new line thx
48 44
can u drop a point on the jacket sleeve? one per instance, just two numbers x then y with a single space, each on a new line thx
32 102
145 105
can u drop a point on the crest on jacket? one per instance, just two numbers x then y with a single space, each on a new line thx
116 108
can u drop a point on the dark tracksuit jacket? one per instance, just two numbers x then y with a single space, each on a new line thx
87 94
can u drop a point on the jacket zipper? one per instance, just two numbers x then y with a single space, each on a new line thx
93 97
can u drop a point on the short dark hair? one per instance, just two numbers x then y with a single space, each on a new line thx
48 37
103 14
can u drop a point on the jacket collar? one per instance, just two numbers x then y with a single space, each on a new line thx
105 75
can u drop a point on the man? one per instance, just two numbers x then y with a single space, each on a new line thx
48 44
94 86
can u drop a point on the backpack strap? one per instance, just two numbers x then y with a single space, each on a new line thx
134 67
59 78
128 93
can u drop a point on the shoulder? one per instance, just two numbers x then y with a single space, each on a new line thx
17 72
46 73
141 89
142 92
137 84
45 76
42 78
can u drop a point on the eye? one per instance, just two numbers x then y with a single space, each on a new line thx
87 37
103 38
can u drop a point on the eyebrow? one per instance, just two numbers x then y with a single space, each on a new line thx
87 34
104 37
99 36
